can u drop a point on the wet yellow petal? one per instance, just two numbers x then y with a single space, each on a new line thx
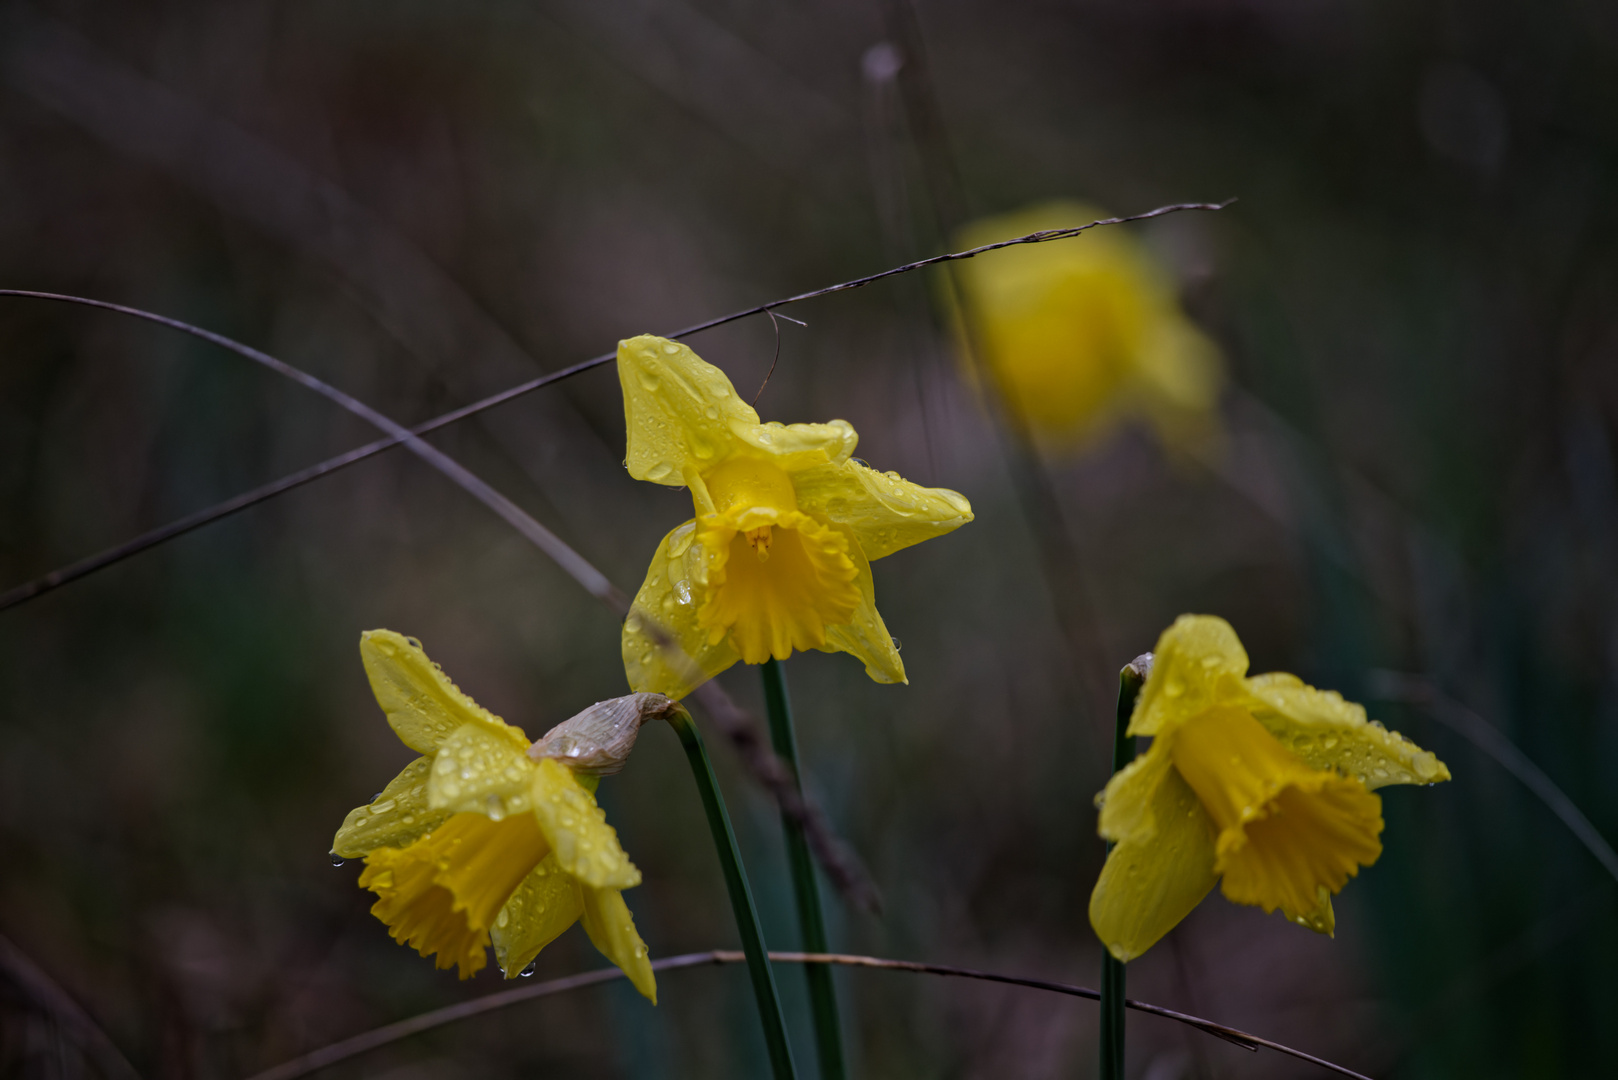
545 904
794 447
885 511
775 582
1330 733
395 818
612 929
678 410
420 702
671 596
865 636
1198 663
480 771
586 846
442 893
1286 831
1162 865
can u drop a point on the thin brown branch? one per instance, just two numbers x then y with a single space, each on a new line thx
72 572
371 1040
55 1002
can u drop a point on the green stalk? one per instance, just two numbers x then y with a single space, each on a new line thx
811 922
1112 969
741 898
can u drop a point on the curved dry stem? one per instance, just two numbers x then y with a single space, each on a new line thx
330 1055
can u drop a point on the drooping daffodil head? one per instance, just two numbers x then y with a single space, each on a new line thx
777 555
1077 334
484 839
1262 785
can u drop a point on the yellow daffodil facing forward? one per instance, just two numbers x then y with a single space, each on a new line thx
476 841
1078 333
1262 782
778 555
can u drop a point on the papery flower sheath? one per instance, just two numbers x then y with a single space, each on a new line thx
1079 333
476 842
1261 784
777 557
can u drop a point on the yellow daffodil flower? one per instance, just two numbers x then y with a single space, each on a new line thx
1079 333
475 841
777 557
1263 782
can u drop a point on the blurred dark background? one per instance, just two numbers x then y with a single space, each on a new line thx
423 203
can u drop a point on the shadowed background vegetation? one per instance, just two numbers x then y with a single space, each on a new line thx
423 203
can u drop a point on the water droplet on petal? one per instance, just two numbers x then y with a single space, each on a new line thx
659 472
337 860
670 348
528 972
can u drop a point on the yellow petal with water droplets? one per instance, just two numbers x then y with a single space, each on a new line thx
585 845
612 929
794 447
671 596
885 511
545 904
421 703
679 410
866 637
479 771
1162 865
1322 920
1198 663
1330 733
397 817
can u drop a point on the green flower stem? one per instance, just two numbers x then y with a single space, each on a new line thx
811 922
1112 969
741 898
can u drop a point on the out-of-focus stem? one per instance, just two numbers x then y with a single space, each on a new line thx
741 898
811 921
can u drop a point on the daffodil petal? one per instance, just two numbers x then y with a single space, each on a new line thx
799 446
397 817
886 512
586 846
421 703
670 597
1330 733
546 903
679 410
1162 865
479 771
1198 663
866 636
612 929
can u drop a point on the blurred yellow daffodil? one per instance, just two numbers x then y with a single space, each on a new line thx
1079 333
1262 782
778 555
475 841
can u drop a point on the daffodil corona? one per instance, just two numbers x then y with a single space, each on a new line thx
1078 333
777 557
477 842
1261 784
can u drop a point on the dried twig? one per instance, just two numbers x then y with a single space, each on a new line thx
371 1040
79 569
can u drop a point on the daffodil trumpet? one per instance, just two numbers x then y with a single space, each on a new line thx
776 557
1262 785
488 839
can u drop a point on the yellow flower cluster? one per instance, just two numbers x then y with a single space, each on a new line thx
475 842
1263 783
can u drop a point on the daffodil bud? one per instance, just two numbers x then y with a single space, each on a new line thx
598 740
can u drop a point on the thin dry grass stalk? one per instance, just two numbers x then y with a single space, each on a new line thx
371 1040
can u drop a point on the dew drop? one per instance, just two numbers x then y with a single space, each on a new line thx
337 860
711 412
502 918
528 972
659 472
383 807
670 348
